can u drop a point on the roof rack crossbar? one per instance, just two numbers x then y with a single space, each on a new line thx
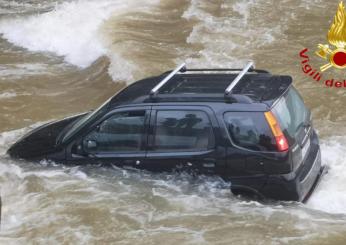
224 69
247 67
157 88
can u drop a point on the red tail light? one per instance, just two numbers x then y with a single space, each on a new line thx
280 138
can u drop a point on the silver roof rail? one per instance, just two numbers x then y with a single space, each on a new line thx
249 66
156 89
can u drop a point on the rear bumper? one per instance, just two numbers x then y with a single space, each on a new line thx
298 185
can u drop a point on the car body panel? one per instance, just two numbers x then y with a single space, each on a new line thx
42 141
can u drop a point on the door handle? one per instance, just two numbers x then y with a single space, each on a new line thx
209 165
136 162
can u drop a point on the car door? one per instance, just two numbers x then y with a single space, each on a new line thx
119 138
182 137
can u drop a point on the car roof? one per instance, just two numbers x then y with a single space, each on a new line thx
255 91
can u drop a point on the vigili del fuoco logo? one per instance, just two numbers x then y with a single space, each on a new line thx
334 53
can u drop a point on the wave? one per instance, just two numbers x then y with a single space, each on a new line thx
75 30
25 6
70 30
231 33
330 195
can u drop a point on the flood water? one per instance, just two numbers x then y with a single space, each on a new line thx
61 57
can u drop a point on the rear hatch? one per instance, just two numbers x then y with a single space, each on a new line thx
295 122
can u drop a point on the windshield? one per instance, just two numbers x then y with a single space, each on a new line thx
291 113
85 120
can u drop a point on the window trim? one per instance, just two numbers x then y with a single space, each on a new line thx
230 137
291 138
153 128
144 138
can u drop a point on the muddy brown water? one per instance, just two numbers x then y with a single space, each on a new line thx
58 58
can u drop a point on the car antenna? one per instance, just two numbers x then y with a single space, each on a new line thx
156 89
248 67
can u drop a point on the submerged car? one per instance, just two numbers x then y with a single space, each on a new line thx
248 126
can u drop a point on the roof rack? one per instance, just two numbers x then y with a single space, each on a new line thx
156 89
193 70
223 70
248 67
228 92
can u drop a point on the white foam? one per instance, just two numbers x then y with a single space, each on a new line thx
331 194
20 6
243 8
17 71
71 30
230 39
7 95
120 69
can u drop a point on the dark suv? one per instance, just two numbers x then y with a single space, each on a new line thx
247 126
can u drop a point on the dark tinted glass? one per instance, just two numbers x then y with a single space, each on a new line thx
291 113
119 133
182 130
85 120
250 130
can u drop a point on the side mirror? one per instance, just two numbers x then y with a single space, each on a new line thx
78 148
89 144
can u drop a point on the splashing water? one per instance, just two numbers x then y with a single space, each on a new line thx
55 60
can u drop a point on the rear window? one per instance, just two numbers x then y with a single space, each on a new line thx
291 113
250 130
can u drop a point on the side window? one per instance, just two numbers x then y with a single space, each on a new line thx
121 132
250 130
182 131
